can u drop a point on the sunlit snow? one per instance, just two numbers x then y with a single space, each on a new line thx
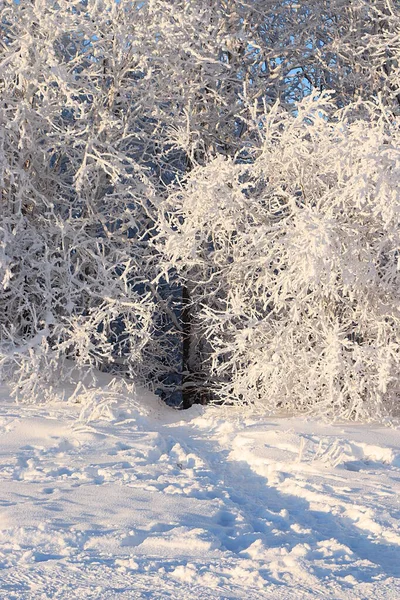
148 502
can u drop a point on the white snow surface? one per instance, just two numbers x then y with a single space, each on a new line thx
119 496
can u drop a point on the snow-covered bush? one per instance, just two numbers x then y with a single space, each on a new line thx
67 293
292 259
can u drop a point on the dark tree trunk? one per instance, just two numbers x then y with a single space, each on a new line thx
187 390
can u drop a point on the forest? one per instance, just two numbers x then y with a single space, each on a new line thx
203 197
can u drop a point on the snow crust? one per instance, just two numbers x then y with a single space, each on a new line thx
141 501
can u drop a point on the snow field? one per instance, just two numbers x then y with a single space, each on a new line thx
147 502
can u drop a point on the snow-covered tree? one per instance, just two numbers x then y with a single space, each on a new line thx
294 262
76 187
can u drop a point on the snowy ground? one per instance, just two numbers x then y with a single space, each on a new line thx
148 502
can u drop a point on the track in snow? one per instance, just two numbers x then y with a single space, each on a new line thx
157 504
